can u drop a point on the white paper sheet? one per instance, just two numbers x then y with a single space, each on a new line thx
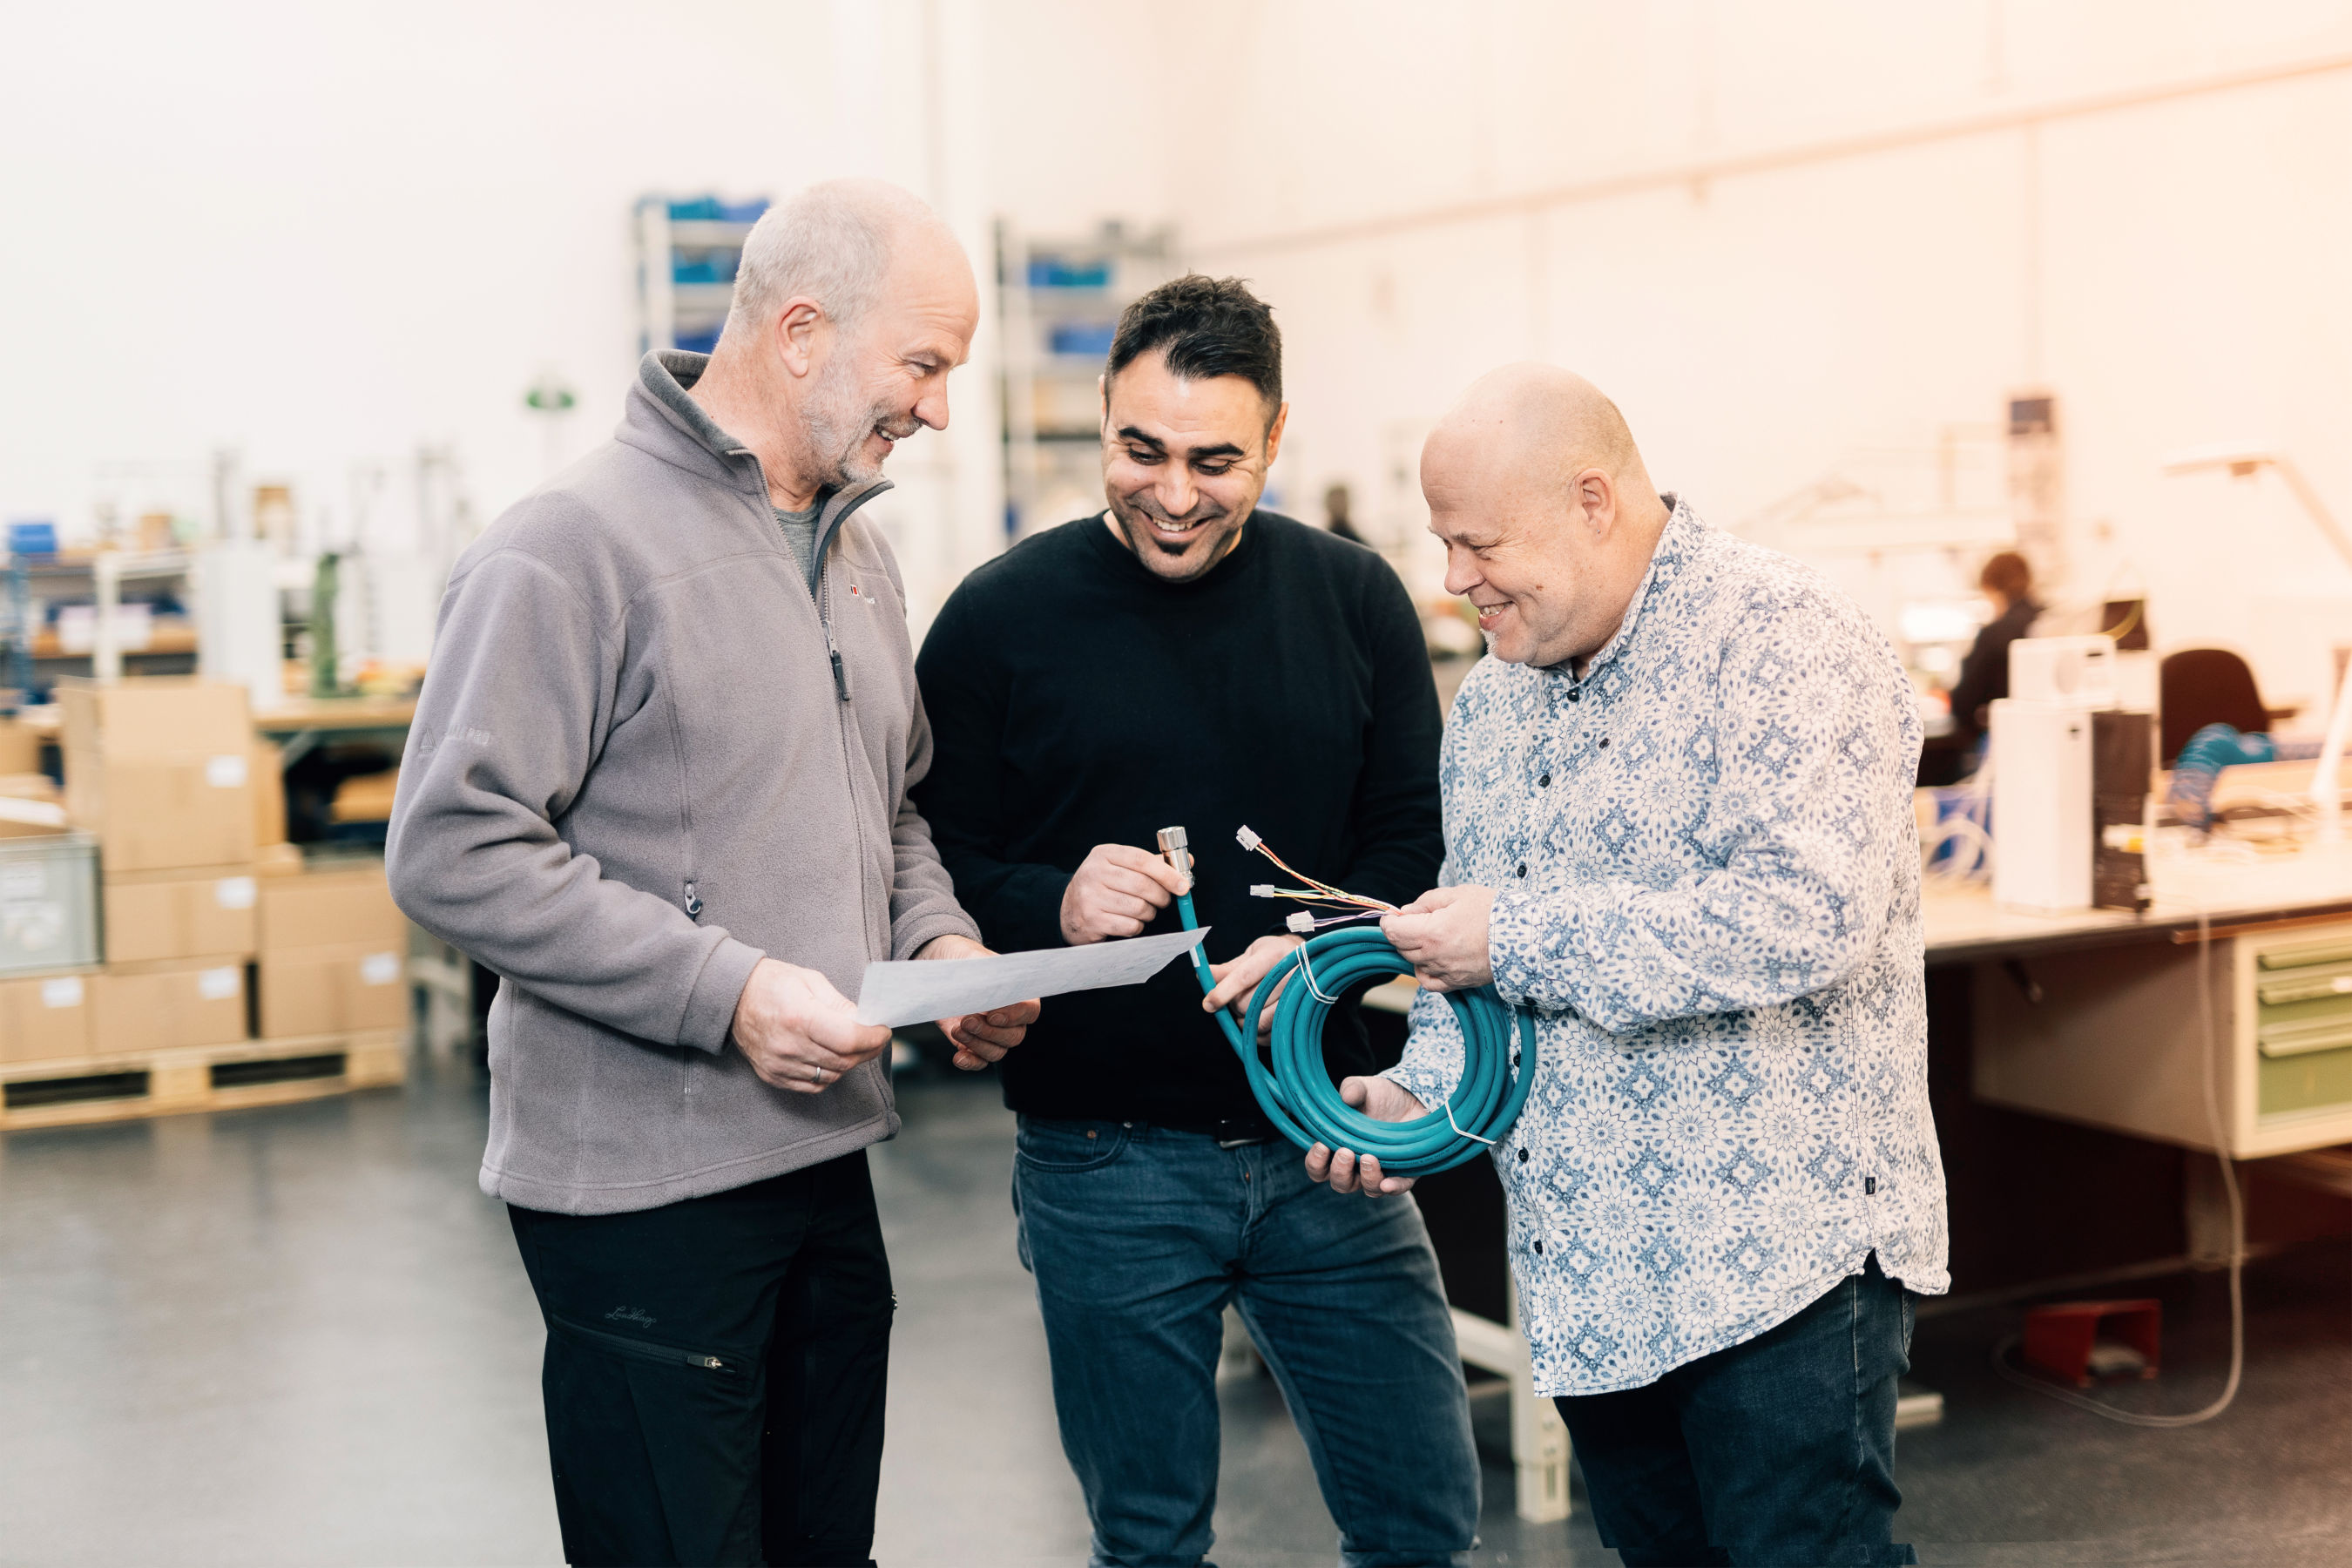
919 990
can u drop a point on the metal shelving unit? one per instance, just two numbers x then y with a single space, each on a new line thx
687 251
1059 301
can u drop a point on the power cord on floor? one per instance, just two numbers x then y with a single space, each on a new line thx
2000 1363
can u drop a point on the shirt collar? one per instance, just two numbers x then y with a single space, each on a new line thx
1674 543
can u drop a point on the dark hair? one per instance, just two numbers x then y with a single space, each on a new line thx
2007 575
1206 327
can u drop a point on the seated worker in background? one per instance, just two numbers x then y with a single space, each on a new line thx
1184 659
1336 504
1678 830
2008 583
644 789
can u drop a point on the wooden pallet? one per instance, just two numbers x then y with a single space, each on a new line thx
127 1085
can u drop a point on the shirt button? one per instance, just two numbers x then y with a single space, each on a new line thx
1523 1156
1539 1246
1576 694
1523 867
1543 781
1604 743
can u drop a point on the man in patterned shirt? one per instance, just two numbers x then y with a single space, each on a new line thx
1678 831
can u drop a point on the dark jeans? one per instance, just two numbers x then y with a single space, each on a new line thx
1138 1236
715 1371
1780 1450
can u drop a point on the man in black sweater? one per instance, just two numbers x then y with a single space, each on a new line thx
1185 660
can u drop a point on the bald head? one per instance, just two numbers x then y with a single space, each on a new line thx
835 243
1545 509
1536 425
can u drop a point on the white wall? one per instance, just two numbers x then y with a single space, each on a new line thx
323 235
1751 225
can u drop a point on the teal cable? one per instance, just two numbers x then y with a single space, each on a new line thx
1296 1091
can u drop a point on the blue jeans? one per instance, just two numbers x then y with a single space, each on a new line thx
1780 1450
1138 1236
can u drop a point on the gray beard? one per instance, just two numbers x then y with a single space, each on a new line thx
838 424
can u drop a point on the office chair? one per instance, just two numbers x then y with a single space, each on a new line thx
2201 685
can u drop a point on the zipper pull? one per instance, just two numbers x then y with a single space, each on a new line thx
840 679
693 901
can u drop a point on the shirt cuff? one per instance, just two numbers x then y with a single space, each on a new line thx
1430 1085
1516 950
710 1006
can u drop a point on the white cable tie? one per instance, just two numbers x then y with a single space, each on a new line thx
1317 990
1263 890
1459 1132
1248 839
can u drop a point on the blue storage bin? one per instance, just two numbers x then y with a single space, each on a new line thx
1059 272
34 538
1088 338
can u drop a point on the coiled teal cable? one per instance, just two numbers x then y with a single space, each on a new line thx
1296 1091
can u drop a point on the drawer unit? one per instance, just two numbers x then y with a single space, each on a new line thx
2303 1026
2119 1039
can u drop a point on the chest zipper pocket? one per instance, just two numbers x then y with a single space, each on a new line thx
645 1350
693 902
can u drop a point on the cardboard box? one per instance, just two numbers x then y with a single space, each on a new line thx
161 770
47 1017
331 907
154 718
160 1006
278 861
334 990
20 747
156 915
163 815
269 794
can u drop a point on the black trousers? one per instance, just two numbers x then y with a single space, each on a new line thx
715 1371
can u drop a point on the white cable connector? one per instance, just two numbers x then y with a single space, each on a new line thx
1265 890
1248 840
1302 922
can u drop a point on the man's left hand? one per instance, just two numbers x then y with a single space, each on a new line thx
979 1038
1442 934
1238 978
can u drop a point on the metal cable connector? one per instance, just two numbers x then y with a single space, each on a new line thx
1175 847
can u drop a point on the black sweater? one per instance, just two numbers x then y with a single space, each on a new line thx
1075 700
1984 673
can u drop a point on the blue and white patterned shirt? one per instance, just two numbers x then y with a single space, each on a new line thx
1707 880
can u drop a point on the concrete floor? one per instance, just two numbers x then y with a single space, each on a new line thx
301 1335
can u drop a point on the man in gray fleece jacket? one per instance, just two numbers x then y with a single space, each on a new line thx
658 783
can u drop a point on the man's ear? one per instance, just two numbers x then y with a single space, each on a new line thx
1594 495
797 325
1274 434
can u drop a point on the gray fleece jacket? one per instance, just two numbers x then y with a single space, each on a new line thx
647 755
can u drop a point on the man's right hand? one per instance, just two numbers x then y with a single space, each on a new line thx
1116 892
1382 1099
798 1032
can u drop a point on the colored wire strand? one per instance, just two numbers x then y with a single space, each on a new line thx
1295 1089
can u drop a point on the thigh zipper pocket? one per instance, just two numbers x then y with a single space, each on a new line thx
645 1350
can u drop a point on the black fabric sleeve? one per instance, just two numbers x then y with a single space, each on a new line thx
1398 827
1982 676
963 682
